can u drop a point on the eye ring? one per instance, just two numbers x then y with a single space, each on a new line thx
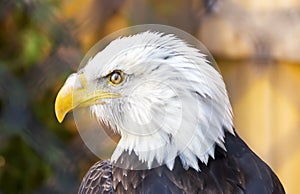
116 77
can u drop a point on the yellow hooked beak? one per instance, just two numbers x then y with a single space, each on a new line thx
75 93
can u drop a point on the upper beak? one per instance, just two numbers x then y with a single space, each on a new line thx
76 93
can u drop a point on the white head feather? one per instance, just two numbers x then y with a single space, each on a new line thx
173 102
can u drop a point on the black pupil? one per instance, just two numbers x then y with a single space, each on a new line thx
115 77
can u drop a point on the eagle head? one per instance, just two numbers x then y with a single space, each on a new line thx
160 94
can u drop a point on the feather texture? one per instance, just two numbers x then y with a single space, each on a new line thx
173 100
237 171
175 122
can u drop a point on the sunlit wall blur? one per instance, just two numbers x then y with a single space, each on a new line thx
256 44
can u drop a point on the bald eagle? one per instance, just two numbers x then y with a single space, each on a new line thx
171 109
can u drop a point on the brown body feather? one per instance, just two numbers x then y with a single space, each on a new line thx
236 170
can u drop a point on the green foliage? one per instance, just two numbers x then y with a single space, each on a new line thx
35 47
23 170
32 143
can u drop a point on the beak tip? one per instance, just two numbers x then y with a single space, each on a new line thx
59 116
62 104
59 111
60 120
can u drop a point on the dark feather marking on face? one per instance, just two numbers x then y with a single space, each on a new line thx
170 137
166 57
175 97
156 68
204 95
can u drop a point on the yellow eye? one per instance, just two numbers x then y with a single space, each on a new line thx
116 77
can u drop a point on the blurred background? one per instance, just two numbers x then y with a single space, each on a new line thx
256 44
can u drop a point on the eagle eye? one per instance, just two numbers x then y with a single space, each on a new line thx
116 77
